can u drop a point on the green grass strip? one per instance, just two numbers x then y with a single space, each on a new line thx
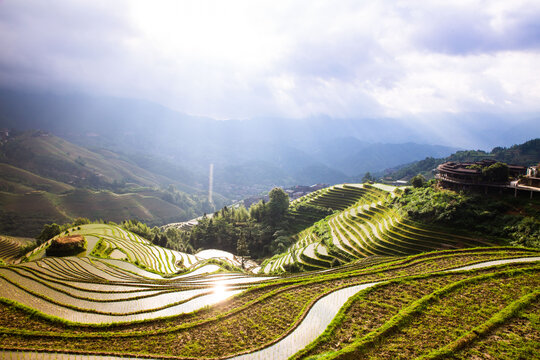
498 319
285 283
402 317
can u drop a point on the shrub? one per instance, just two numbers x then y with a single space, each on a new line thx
49 231
418 181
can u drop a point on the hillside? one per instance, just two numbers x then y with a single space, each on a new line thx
365 223
346 222
49 156
269 180
382 307
25 214
46 179
112 244
526 154
12 248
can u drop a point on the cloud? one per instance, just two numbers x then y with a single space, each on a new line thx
244 59
482 28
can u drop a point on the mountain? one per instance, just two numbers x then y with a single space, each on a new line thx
526 154
181 147
44 154
45 179
377 157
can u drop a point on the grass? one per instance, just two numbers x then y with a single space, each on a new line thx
460 312
517 338
499 318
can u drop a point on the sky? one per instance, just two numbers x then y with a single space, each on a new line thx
291 59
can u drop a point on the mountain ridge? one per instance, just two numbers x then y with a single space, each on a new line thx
46 179
525 154
190 144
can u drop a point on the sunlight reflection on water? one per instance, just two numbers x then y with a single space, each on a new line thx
220 291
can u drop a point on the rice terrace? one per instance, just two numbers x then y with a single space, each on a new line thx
373 284
269 180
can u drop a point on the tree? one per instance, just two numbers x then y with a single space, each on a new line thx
367 177
49 231
277 206
242 249
81 221
418 181
497 172
258 211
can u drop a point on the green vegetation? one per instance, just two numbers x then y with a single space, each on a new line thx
312 233
127 295
271 228
517 337
262 228
51 230
513 220
526 154
402 313
370 223
418 181
497 172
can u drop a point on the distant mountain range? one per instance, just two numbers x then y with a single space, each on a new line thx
249 156
79 155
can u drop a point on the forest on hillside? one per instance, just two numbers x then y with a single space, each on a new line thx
526 154
269 228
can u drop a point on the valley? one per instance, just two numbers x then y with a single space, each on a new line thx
294 180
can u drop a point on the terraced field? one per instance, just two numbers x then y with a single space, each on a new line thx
364 225
378 286
11 247
53 307
121 248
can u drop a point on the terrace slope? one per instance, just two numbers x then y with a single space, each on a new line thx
364 225
11 247
45 179
111 243
88 306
